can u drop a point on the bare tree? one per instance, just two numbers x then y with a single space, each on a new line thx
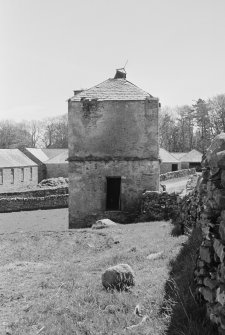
56 132
13 135
35 128
201 113
217 113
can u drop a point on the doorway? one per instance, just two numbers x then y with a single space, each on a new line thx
113 193
174 167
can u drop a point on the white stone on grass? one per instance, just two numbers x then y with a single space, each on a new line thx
104 223
155 255
119 277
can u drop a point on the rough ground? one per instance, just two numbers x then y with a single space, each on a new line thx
50 282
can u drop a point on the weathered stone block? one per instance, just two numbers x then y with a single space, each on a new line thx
209 295
223 178
219 249
219 197
222 215
212 284
205 254
221 273
220 294
222 229
213 312
221 159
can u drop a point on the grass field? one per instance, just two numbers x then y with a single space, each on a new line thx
50 282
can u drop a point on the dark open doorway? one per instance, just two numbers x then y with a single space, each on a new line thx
174 167
113 193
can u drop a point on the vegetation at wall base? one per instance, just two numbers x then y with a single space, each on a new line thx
188 316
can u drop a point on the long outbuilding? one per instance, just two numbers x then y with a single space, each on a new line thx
17 171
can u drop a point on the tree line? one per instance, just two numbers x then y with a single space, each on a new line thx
192 127
181 129
48 133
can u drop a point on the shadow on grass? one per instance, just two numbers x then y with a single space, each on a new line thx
186 315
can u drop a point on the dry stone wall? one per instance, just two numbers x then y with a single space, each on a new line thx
156 206
33 200
177 174
204 208
210 269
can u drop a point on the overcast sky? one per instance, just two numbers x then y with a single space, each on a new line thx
175 50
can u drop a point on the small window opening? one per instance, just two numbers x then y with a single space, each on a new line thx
22 174
174 167
31 173
1 176
113 193
12 175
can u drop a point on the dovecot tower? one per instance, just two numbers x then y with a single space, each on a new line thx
113 149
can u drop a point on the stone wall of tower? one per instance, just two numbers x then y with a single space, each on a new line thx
113 128
110 139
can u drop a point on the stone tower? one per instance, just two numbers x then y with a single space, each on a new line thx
113 149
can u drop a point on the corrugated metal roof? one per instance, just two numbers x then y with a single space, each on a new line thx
194 156
59 159
14 158
166 157
113 89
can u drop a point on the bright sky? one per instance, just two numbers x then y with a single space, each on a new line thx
175 50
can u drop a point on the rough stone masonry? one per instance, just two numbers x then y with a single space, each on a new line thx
210 270
205 208
113 149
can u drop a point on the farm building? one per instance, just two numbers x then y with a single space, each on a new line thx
58 165
178 155
188 160
16 170
40 157
168 162
113 149
191 159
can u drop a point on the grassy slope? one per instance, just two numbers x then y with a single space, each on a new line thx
53 279
50 282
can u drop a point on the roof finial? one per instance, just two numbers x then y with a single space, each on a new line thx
120 73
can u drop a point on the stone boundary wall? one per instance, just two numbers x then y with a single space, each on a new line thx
33 200
156 206
210 267
204 208
42 192
31 203
177 174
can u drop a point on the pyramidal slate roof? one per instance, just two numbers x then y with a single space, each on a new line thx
113 89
